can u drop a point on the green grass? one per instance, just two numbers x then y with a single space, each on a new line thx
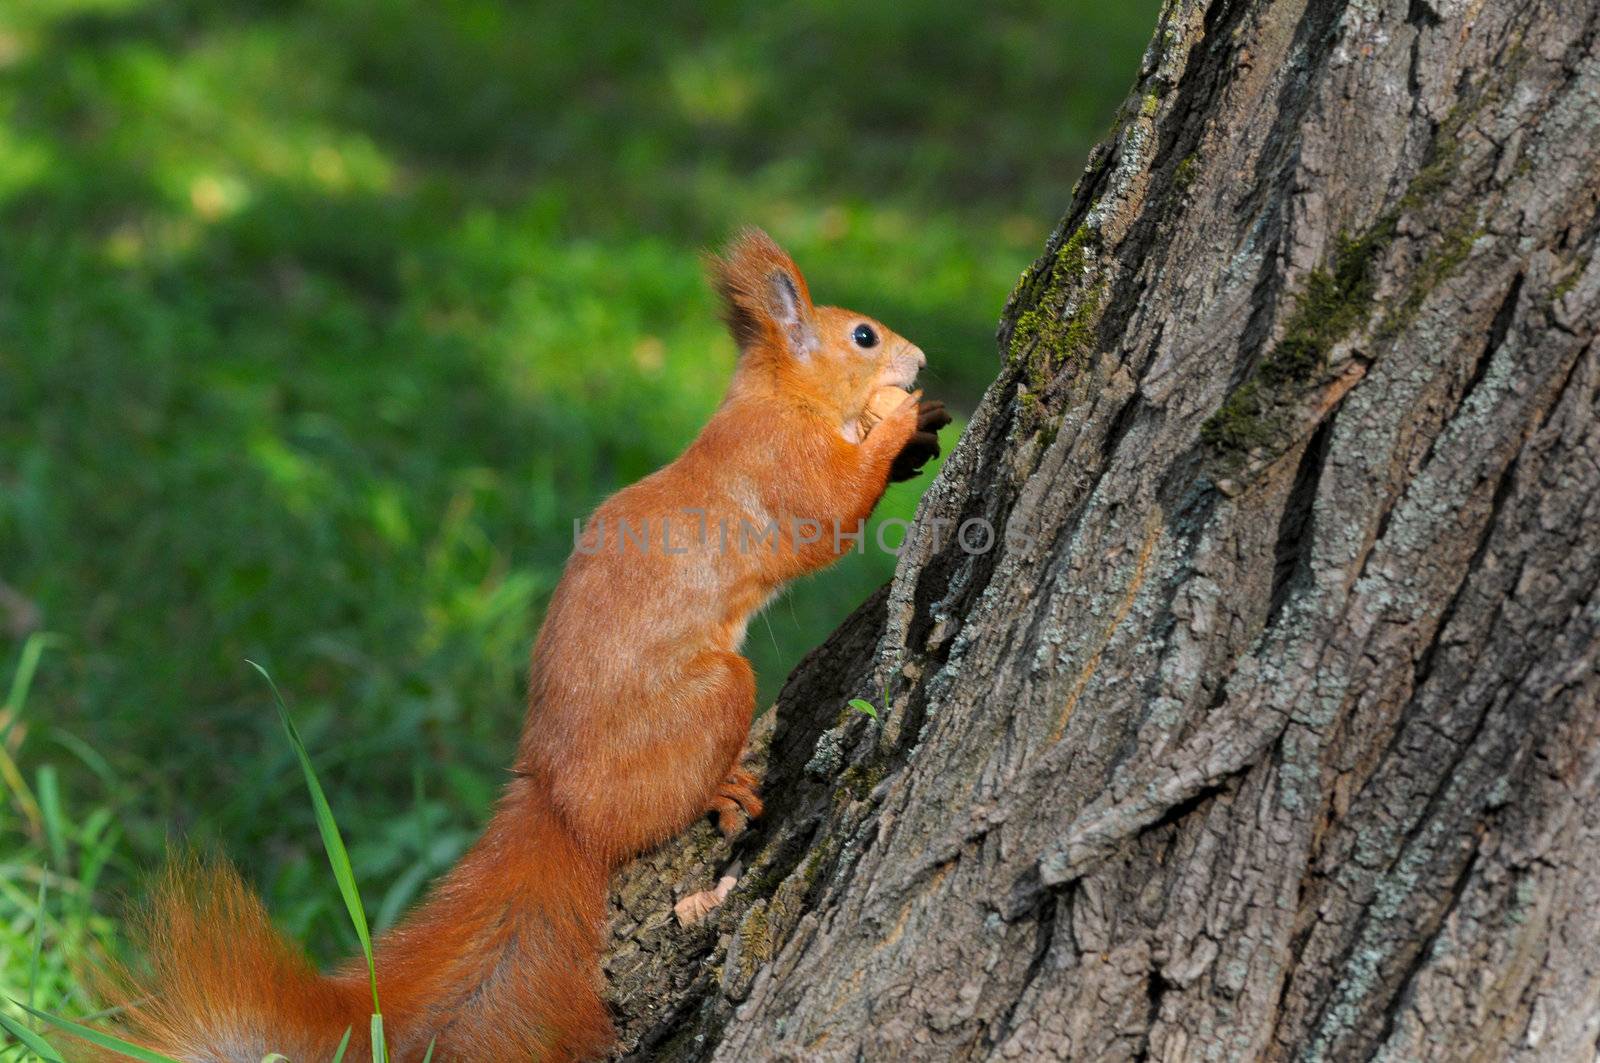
54 863
338 859
321 322
47 1050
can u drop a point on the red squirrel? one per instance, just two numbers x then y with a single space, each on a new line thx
639 706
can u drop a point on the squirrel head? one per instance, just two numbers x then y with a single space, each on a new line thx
827 357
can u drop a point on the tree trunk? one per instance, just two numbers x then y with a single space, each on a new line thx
1267 728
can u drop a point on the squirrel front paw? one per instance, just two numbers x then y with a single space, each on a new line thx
923 446
735 802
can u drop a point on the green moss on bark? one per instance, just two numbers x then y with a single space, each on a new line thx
1057 331
1335 301
1453 250
1183 176
1340 298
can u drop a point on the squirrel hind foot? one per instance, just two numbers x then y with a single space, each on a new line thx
735 803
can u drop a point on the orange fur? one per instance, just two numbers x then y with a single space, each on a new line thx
639 705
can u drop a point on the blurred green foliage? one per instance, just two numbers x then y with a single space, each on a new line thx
321 322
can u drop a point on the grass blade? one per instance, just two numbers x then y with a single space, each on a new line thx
332 841
428 1058
27 665
38 938
10 713
47 784
36 1044
344 1043
95 1037
338 859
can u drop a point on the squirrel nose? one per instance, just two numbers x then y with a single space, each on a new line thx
922 359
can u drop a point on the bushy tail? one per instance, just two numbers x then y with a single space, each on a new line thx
500 963
223 985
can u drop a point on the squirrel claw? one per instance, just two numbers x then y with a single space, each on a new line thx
923 445
736 802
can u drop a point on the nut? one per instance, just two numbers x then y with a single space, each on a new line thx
883 402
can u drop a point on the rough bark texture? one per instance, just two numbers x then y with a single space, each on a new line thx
1270 728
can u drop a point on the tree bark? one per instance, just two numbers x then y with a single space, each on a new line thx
1268 727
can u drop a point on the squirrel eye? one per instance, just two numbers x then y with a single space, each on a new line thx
864 336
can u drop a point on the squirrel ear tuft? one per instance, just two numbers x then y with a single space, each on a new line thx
764 296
